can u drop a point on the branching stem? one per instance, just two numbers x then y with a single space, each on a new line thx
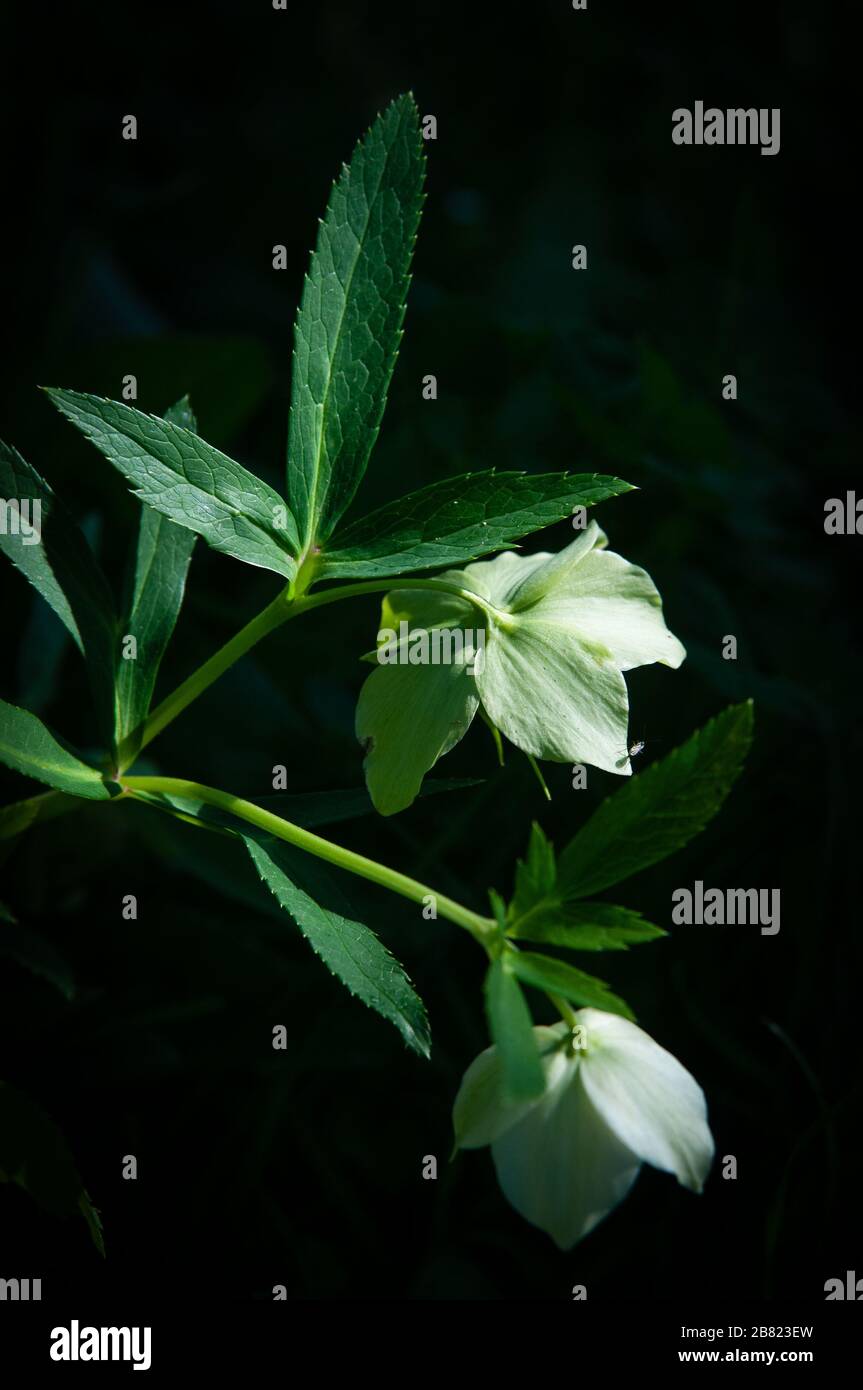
280 611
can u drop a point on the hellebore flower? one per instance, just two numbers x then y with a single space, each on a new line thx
546 639
613 1099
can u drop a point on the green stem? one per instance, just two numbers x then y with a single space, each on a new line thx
383 586
281 610
539 777
266 622
481 928
567 1014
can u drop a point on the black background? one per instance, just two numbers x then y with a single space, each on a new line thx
155 257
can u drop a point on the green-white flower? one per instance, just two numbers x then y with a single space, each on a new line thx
613 1099
555 632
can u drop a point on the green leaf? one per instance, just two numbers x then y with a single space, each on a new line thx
351 950
349 323
559 977
35 1155
177 473
511 1028
540 912
155 588
64 570
536 876
660 810
20 815
459 519
182 414
30 748
584 926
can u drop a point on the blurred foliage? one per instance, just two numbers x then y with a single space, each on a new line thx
303 1167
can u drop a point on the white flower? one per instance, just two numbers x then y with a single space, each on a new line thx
561 630
613 1099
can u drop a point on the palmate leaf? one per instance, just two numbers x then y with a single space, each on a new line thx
460 519
349 323
31 749
64 570
196 486
351 950
154 594
540 910
511 1028
660 810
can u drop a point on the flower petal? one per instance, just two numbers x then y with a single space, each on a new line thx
482 1111
409 716
541 580
651 1102
499 578
561 1167
555 695
608 600
430 608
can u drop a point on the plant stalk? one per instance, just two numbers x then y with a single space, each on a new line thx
280 611
481 928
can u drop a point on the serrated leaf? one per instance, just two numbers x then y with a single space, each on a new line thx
660 810
581 926
511 1028
34 1154
182 414
535 876
460 519
351 950
349 323
63 569
559 977
154 594
540 912
180 475
31 749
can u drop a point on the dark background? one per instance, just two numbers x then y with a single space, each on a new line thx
304 1168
